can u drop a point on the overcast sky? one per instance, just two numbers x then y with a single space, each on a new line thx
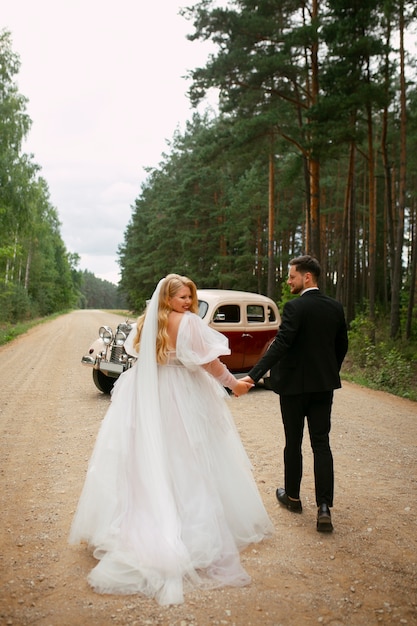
106 89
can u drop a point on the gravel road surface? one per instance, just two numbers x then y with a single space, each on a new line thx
364 573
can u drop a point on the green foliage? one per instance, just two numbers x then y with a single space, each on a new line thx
204 210
360 342
286 295
378 362
394 372
16 304
96 293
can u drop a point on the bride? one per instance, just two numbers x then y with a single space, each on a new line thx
169 498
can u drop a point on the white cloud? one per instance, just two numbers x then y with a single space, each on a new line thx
106 91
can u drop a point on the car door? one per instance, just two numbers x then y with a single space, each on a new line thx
229 320
261 328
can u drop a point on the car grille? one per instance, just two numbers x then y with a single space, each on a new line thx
116 353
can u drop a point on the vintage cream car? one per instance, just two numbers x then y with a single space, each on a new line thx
250 321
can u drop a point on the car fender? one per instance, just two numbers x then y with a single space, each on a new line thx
96 348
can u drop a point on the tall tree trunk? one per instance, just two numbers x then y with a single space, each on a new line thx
271 222
314 165
413 273
345 285
6 273
398 265
27 268
259 267
385 157
351 239
12 266
314 245
372 218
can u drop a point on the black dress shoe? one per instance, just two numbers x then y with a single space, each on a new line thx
292 505
324 519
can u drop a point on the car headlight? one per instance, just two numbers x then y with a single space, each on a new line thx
120 338
106 334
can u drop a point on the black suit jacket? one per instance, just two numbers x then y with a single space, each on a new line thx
308 351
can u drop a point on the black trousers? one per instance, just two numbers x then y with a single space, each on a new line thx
316 407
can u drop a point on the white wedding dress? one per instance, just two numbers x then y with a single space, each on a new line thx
169 498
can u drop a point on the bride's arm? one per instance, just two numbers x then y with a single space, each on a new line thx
220 372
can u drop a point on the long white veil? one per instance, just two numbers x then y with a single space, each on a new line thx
149 463
149 438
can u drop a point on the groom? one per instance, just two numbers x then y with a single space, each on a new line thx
305 360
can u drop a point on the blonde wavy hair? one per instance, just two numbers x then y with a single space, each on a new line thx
169 288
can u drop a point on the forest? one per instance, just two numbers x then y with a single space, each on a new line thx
309 148
312 150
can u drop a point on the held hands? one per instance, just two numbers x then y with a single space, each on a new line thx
242 386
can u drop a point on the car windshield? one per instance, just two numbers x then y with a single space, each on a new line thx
202 308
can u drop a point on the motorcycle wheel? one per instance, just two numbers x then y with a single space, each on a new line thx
102 382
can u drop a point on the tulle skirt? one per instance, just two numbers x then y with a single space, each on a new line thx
168 504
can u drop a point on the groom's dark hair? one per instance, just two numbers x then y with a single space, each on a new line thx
307 263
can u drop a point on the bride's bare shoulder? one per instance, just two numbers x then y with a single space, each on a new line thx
174 321
174 317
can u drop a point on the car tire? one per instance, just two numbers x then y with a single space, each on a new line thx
102 382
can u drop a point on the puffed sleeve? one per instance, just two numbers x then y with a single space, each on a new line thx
128 345
197 343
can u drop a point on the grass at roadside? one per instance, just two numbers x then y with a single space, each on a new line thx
377 361
408 391
8 332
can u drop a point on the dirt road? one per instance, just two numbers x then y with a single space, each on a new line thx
363 573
